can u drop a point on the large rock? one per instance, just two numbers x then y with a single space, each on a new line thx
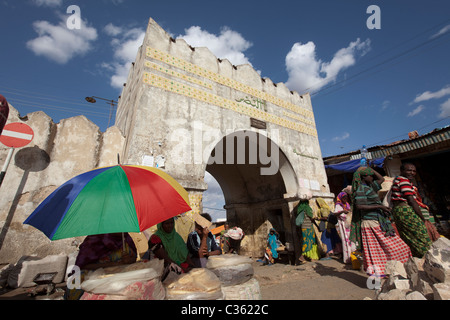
415 295
437 261
441 291
412 266
421 283
395 268
395 283
395 294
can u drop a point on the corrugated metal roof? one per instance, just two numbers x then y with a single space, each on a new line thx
415 144
434 137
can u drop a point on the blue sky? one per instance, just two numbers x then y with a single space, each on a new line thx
368 86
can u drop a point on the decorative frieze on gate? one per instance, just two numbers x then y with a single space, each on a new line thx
181 77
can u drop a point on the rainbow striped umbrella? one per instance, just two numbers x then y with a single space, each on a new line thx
122 198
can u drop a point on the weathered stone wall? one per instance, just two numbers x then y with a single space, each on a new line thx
57 153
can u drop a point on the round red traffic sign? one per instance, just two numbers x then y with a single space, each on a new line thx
16 135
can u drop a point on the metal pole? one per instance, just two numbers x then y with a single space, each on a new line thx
6 164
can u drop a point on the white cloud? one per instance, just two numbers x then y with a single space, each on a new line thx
228 45
112 30
48 3
345 136
385 105
416 111
427 95
117 2
307 72
58 43
126 43
442 31
445 109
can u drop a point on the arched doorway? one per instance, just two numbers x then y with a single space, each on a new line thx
259 186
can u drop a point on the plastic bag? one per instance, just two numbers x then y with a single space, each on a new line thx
235 233
141 290
234 275
225 260
198 284
231 269
249 290
115 280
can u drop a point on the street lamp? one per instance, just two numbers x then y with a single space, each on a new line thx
112 103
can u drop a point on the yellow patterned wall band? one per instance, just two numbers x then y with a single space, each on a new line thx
202 72
185 90
195 199
297 117
169 72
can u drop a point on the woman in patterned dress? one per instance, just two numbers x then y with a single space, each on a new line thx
343 211
408 217
371 229
310 250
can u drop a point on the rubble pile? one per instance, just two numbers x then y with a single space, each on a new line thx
419 279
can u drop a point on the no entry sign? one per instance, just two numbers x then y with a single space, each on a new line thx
16 135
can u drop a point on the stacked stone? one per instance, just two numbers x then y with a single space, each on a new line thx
419 279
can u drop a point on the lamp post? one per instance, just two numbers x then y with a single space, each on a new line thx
112 103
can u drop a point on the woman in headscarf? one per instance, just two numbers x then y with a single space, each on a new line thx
304 220
343 211
168 245
408 216
271 249
329 237
371 228
102 251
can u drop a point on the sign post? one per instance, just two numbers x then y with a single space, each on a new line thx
14 135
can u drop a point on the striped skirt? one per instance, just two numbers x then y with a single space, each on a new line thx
412 230
379 249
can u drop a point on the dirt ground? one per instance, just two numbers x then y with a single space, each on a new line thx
320 280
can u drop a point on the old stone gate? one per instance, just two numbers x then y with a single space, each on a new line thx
187 111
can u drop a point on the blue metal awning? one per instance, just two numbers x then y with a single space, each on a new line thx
353 165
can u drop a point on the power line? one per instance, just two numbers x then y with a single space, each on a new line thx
37 104
406 52
390 139
430 40
209 208
91 113
348 83
63 100
439 25
395 137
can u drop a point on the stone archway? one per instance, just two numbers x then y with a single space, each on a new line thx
255 200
